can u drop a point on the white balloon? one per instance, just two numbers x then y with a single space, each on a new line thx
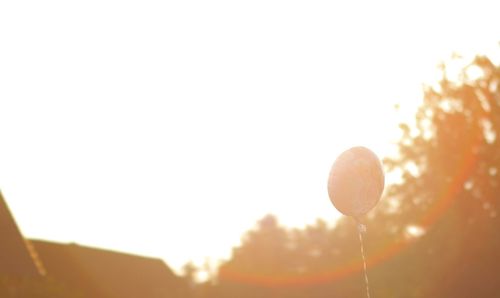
356 181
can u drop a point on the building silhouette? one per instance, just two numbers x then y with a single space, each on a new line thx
94 272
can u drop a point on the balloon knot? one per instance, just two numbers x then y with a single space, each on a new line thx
361 228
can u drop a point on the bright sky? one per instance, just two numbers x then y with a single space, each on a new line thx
168 128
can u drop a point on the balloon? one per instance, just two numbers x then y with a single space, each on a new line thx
356 181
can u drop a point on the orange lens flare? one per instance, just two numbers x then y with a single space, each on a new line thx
445 200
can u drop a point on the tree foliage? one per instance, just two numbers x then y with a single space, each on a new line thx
450 161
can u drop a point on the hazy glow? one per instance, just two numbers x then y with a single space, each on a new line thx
169 129
414 231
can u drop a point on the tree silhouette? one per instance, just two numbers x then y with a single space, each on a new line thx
449 163
273 261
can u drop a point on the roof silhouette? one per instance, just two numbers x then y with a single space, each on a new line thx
102 273
94 272
17 257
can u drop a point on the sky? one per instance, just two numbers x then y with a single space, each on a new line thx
168 128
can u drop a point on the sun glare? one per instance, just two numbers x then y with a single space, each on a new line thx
170 129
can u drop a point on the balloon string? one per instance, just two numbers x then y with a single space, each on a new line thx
361 230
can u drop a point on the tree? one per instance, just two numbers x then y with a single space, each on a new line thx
449 163
273 261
